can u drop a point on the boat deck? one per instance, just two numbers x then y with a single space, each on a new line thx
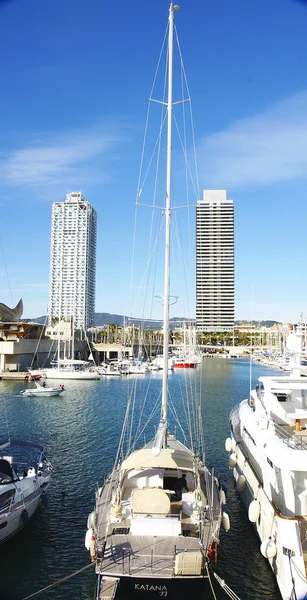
120 552
145 556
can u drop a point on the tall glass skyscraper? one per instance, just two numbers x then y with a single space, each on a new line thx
73 261
214 262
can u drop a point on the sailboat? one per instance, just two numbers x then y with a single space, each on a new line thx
154 530
69 368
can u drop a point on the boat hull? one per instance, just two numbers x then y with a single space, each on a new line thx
185 365
14 520
271 525
62 374
176 588
42 394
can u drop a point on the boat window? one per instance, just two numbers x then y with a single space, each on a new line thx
251 402
281 397
6 498
6 474
259 389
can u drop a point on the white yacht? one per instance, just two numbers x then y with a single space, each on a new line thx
154 530
24 478
65 368
268 455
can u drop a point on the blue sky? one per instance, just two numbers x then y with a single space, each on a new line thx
75 80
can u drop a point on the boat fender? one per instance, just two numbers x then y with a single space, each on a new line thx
24 517
212 552
268 548
228 444
88 536
225 521
92 546
91 520
232 461
240 484
222 496
44 499
254 511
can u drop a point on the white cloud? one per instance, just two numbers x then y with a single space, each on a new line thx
265 148
57 159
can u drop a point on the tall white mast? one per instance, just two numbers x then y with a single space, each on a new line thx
162 429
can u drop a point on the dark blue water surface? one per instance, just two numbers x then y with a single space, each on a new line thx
80 432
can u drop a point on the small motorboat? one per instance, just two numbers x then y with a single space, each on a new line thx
43 390
24 479
109 370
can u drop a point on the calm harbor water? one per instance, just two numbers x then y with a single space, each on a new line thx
80 432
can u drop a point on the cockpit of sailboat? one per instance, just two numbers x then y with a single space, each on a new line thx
144 500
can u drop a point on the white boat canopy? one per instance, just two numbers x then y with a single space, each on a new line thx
169 458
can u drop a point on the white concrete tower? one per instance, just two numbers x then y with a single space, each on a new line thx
73 261
214 262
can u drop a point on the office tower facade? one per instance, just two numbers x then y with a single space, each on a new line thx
73 262
215 262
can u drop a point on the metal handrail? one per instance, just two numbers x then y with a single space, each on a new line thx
296 442
152 514
126 550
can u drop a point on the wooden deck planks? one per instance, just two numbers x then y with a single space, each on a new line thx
128 554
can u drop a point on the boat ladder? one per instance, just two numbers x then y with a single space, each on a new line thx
108 587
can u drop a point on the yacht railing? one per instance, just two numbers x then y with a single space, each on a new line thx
156 562
157 514
296 442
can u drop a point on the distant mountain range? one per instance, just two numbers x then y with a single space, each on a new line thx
258 323
102 319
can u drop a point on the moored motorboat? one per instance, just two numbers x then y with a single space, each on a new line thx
185 363
34 375
24 478
109 370
268 455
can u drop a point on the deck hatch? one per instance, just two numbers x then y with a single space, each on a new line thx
120 530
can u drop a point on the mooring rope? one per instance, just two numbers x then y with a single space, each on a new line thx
59 581
226 588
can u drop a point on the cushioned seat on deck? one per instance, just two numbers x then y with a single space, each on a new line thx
153 501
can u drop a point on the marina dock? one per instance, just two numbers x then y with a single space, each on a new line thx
20 375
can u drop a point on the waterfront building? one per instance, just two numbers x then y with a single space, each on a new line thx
73 262
22 344
214 262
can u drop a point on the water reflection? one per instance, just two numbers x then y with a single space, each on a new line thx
80 431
